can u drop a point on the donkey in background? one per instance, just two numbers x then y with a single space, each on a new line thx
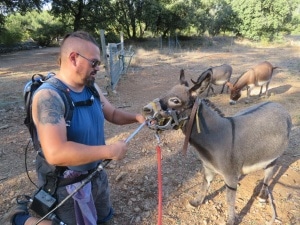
220 75
259 75
251 140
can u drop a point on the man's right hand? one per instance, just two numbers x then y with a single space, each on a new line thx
119 150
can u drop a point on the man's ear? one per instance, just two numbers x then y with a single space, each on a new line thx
73 58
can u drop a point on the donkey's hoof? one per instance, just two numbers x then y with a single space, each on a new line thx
231 221
263 96
262 199
195 202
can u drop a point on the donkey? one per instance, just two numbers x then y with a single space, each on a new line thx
259 75
251 140
220 75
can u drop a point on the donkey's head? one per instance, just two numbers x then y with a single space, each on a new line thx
235 93
173 109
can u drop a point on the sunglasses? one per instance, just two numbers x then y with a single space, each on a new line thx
93 62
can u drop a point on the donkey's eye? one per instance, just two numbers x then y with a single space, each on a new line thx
174 102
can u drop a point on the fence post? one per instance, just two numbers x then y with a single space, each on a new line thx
122 42
104 53
106 67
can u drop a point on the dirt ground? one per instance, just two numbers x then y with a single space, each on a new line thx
134 179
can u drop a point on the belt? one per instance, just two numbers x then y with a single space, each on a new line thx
62 181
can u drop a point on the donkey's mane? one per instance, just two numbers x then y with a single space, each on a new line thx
241 76
213 107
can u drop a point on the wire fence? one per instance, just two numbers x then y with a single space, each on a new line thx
117 60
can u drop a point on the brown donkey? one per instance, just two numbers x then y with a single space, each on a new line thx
251 140
259 75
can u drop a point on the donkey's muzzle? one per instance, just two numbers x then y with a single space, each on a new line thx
158 118
232 102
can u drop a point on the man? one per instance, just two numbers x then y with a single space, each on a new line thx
81 146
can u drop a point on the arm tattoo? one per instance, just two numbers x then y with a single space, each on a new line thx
50 109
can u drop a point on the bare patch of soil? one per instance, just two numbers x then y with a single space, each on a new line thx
134 179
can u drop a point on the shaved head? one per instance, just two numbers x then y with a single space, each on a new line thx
71 43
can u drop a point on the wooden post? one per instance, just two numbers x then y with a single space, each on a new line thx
106 67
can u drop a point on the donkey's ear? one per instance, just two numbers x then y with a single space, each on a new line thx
194 82
201 85
203 75
182 78
230 85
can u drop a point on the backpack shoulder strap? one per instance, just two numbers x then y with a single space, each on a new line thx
94 90
63 91
29 90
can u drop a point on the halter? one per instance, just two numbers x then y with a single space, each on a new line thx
173 120
161 116
190 125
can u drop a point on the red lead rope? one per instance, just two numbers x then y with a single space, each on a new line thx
159 177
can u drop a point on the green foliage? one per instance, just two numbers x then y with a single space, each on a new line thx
263 19
131 14
84 15
259 20
46 28
13 31
10 37
295 24
41 27
9 6
223 19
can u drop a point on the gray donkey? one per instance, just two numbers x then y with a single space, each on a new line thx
251 140
220 75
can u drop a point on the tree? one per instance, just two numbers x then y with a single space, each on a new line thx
11 6
129 15
224 19
40 26
177 16
83 14
263 19
21 6
164 17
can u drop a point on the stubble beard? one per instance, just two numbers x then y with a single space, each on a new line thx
90 81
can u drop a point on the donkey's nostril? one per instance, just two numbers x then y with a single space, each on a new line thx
232 102
147 109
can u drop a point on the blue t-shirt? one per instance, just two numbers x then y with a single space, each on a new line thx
87 124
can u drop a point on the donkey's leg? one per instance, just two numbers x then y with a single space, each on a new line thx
264 194
231 187
269 172
260 92
213 90
248 94
208 177
227 87
210 88
267 88
223 89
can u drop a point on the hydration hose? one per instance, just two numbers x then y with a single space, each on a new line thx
88 179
